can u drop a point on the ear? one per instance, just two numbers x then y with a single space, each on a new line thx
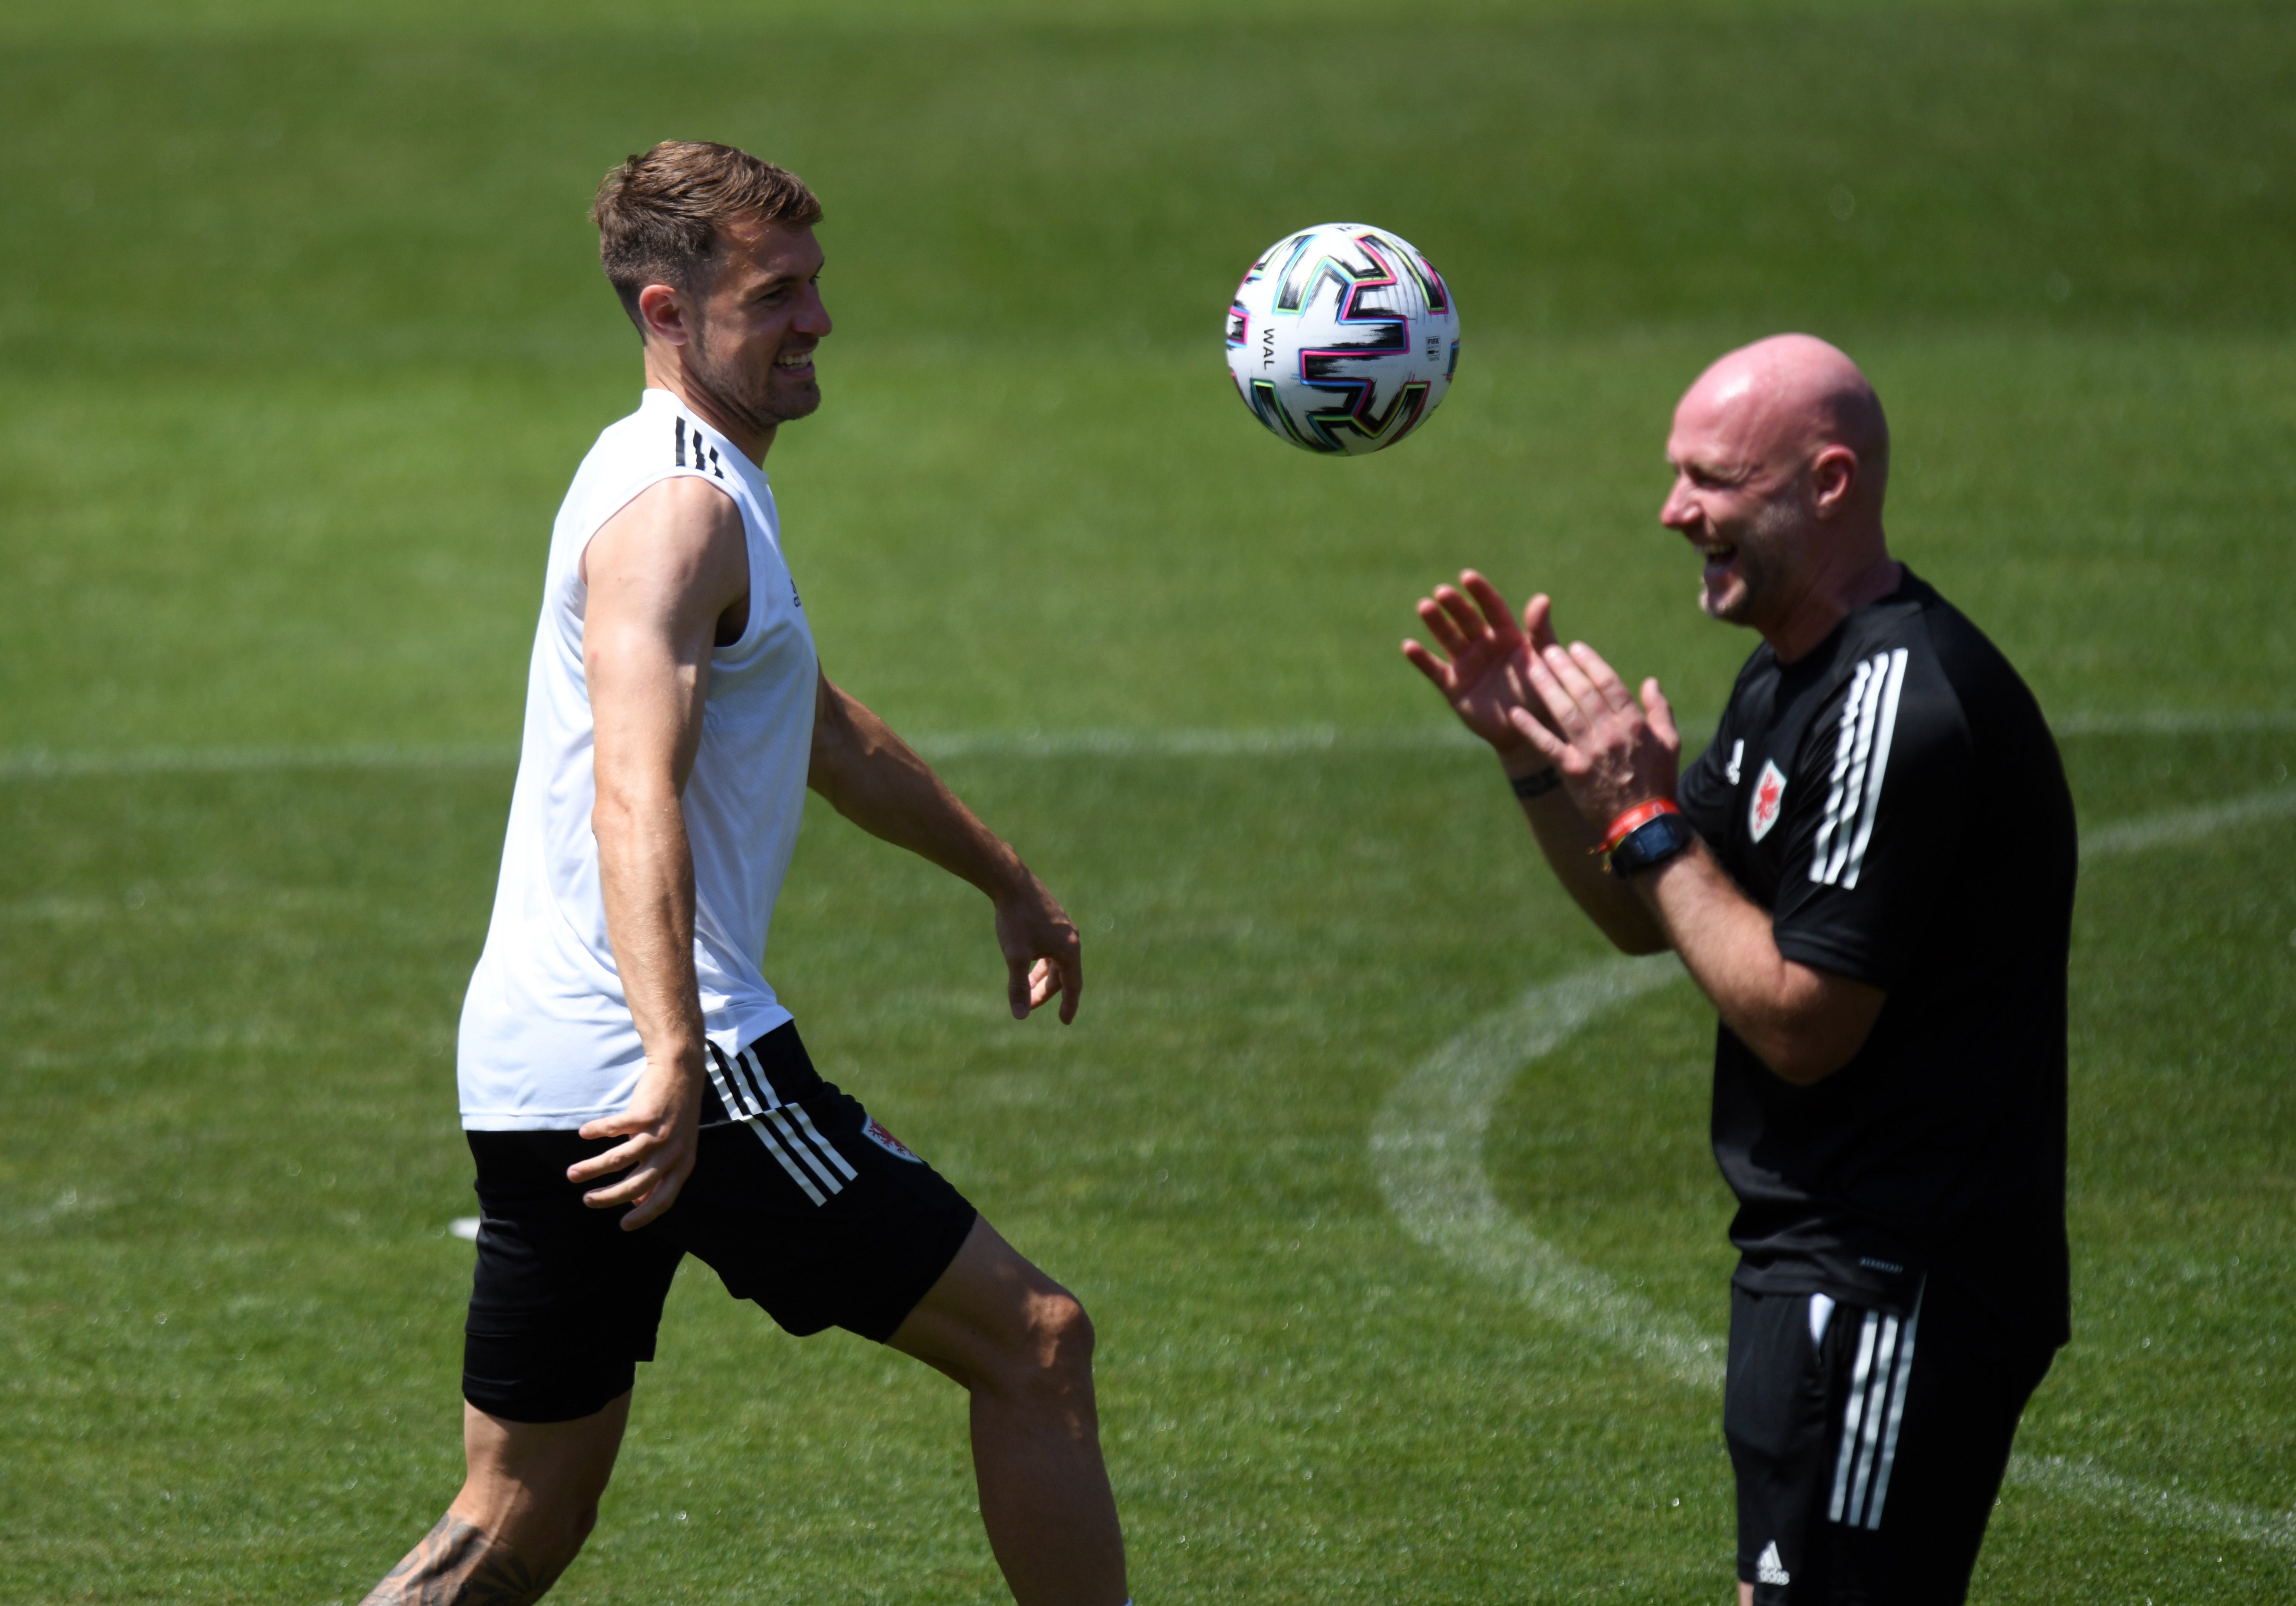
661 315
1833 480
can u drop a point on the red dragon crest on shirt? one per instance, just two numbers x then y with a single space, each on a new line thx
1769 799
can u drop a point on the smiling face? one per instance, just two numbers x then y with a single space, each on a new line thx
751 333
1739 497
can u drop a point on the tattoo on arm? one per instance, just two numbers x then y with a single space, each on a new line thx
457 1564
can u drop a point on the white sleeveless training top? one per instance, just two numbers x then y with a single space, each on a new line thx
547 1041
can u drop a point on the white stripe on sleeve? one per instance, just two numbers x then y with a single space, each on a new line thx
1889 727
1843 744
1854 791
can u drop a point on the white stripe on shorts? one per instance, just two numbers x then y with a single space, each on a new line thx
738 1069
1897 1411
756 1124
740 1109
1849 1416
715 1061
757 1068
823 1143
812 1160
1877 1399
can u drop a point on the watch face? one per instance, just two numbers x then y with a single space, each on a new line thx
1659 840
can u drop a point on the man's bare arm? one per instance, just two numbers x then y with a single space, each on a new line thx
1805 1024
660 574
877 782
1484 675
1573 851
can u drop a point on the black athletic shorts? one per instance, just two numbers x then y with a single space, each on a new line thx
798 1200
1869 1446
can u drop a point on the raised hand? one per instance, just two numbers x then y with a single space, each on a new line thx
1485 670
1613 754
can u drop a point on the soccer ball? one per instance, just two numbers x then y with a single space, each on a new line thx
1342 338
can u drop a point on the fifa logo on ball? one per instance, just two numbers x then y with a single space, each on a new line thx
1342 338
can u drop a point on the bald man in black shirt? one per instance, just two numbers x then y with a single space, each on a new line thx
1870 873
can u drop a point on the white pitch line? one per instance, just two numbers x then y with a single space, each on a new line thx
1427 1151
2176 721
40 764
1191 744
1427 1146
2188 824
37 763
2094 1486
44 764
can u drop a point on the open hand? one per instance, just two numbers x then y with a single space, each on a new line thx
663 1125
1485 672
1043 954
1612 754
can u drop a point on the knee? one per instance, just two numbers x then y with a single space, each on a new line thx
1064 1335
1053 1352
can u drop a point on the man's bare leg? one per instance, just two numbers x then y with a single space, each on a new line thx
530 1499
1021 1345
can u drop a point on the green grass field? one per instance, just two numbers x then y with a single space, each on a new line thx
300 336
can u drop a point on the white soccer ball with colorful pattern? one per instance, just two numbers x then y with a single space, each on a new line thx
1342 338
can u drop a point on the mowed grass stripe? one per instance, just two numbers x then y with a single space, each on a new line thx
40 763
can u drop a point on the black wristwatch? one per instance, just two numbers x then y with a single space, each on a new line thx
1653 842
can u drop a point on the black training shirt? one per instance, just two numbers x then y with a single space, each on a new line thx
1895 800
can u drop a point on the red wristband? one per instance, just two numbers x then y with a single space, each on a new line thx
1633 818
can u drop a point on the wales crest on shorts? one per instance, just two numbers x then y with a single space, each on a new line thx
876 1134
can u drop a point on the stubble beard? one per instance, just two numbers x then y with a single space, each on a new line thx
745 392
1762 547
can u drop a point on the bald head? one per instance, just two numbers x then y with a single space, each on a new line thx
1787 398
1781 456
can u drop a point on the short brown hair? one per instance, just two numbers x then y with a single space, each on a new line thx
659 214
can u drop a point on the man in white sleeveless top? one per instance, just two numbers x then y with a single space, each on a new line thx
631 1088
